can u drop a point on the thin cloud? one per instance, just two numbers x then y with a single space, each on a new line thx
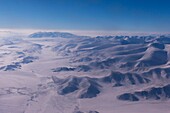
93 33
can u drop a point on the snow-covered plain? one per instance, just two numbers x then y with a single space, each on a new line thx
49 72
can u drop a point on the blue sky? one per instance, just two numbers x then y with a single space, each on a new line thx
106 15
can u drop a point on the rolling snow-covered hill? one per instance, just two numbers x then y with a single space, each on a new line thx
59 72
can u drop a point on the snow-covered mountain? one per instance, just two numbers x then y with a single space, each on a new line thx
59 72
54 34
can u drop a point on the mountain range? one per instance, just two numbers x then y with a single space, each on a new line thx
59 72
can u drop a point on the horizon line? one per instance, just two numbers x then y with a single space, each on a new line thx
79 32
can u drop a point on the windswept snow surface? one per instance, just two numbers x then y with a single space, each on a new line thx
52 72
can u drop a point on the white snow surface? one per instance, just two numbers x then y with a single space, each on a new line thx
29 87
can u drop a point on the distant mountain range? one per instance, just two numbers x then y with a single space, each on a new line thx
54 34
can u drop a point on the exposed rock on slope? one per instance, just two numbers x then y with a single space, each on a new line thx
122 79
154 93
85 87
